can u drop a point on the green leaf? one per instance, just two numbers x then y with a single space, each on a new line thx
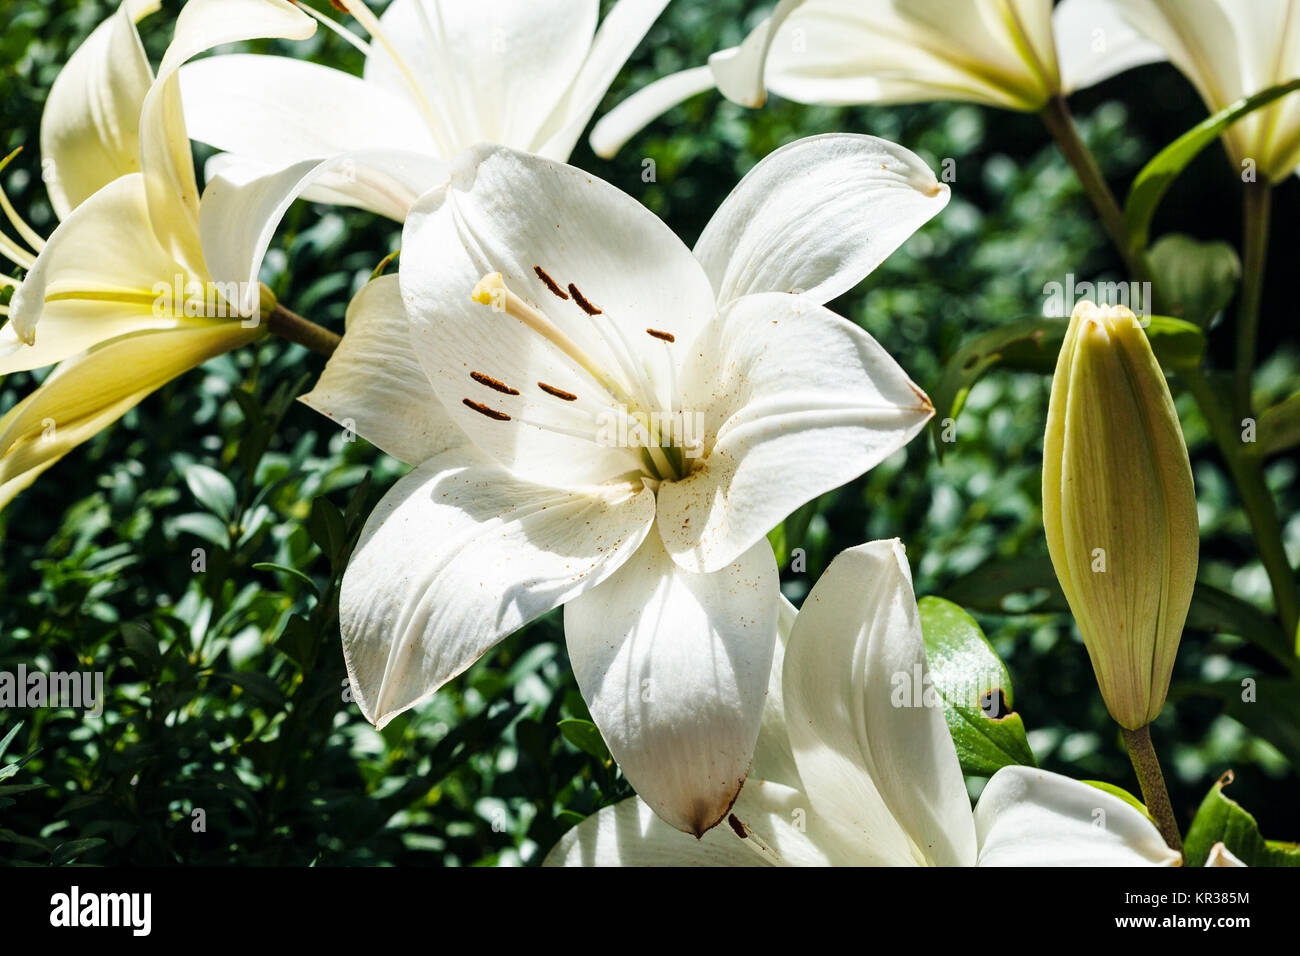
1123 794
1222 820
1197 279
1268 707
255 685
976 690
1278 428
142 645
297 641
328 529
9 737
65 853
584 735
292 572
213 490
1155 178
1033 346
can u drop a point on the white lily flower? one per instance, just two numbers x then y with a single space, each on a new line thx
1013 54
440 76
124 293
553 324
1228 49
851 772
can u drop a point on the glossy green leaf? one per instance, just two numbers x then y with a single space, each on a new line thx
976 690
1279 427
212 489
1221 819
1123 794
1033 346
142 645
1196 279
1268 707
584 735
65 853
291 572
1151 183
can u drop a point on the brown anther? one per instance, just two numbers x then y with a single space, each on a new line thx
491 413
550 283
557 392
337 5
581 299
491 382
666 336
734 822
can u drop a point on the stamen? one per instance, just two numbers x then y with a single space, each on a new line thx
29 235
492 291
581 299
557 392
337 28
491 413
491 382
550 283
666 336
753 841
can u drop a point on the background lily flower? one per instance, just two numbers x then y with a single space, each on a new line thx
549 316
122 294
1227 49
439 77
843 775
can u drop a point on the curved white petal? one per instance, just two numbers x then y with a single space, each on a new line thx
674 667
374 385
97 277
630 834
872 746
1094 43
511 213
281 111
817 216
773 757
1029 817
238 217
796 401
88 393
90 129
485 71
740 73
647 104
165 154
1220 855
619 35
459 554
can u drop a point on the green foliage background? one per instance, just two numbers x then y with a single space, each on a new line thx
225 687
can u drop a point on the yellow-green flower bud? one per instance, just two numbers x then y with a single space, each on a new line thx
1119 508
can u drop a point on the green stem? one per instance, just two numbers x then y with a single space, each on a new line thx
1152 781
1056 117
1254 254
1248 474
291 326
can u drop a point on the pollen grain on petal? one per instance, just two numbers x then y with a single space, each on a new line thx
550 283
557 392
491 382
582 301
491 413
665 336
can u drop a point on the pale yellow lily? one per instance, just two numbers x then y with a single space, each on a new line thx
121 294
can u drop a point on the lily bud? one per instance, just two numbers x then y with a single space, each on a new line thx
1119 508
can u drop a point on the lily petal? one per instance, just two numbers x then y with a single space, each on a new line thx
740 73
281 111
674 667
629 834
461 553
95 279
1094 43
86 394
773 757
238 217
802 401
90 128
374 385
1220 855
873 751
514 214
165 154
817 216
615 128
620 33
1029 817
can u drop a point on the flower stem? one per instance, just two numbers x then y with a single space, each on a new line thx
1152 781
1254 254
1056 117
289 325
